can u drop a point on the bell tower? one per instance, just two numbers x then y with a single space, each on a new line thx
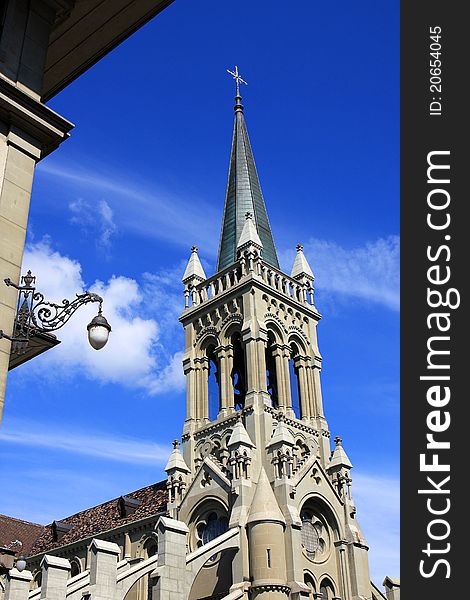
255 433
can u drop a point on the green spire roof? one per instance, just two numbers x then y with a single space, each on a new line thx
243 195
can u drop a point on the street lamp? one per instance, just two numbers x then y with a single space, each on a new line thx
98 331
34 315
21 564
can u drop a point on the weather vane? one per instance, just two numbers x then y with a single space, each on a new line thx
237 78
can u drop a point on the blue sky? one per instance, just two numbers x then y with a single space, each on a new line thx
118 206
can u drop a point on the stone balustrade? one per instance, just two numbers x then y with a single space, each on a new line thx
226 280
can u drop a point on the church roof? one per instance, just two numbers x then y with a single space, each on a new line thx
92 521
18 535
243 195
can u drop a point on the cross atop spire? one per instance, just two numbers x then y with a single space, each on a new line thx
237 78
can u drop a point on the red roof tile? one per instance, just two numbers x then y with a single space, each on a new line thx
18 535
92 521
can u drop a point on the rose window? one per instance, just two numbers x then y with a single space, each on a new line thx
315 538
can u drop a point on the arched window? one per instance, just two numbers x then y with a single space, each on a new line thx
271 374
308 580
150 547
37 580
294 381
75 568
238 372
327 590
213 383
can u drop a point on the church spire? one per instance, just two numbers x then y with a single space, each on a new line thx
243 194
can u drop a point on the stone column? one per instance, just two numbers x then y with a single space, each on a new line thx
55 573
304 399
249 345
17 585
311 390
103 570
201 388
17 161
345 586
204 378
255 348
261 365
29 130
189 371
280 377
317 387
221 354
228 380
285 365
225 356
170 574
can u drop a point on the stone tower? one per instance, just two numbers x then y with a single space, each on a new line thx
267 505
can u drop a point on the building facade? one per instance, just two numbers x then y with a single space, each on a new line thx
257 504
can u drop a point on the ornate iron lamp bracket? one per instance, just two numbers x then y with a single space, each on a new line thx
34 314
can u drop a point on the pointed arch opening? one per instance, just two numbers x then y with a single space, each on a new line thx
310 583
294 381
271 371
75 567
327 590
213 383
37 580
238 372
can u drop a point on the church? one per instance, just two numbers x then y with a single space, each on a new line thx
258 501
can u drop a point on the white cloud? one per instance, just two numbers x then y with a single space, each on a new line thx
136 355
378 513
170 377
97 445
140 207
370 272
99 220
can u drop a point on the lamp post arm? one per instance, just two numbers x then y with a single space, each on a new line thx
49 316
34 314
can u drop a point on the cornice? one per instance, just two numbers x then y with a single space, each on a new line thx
29 116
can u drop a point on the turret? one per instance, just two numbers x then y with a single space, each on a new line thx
249 245
177 471
266 526
280 448
193 275
339 468
302 272
240 447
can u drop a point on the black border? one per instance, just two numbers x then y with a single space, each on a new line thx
420 134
